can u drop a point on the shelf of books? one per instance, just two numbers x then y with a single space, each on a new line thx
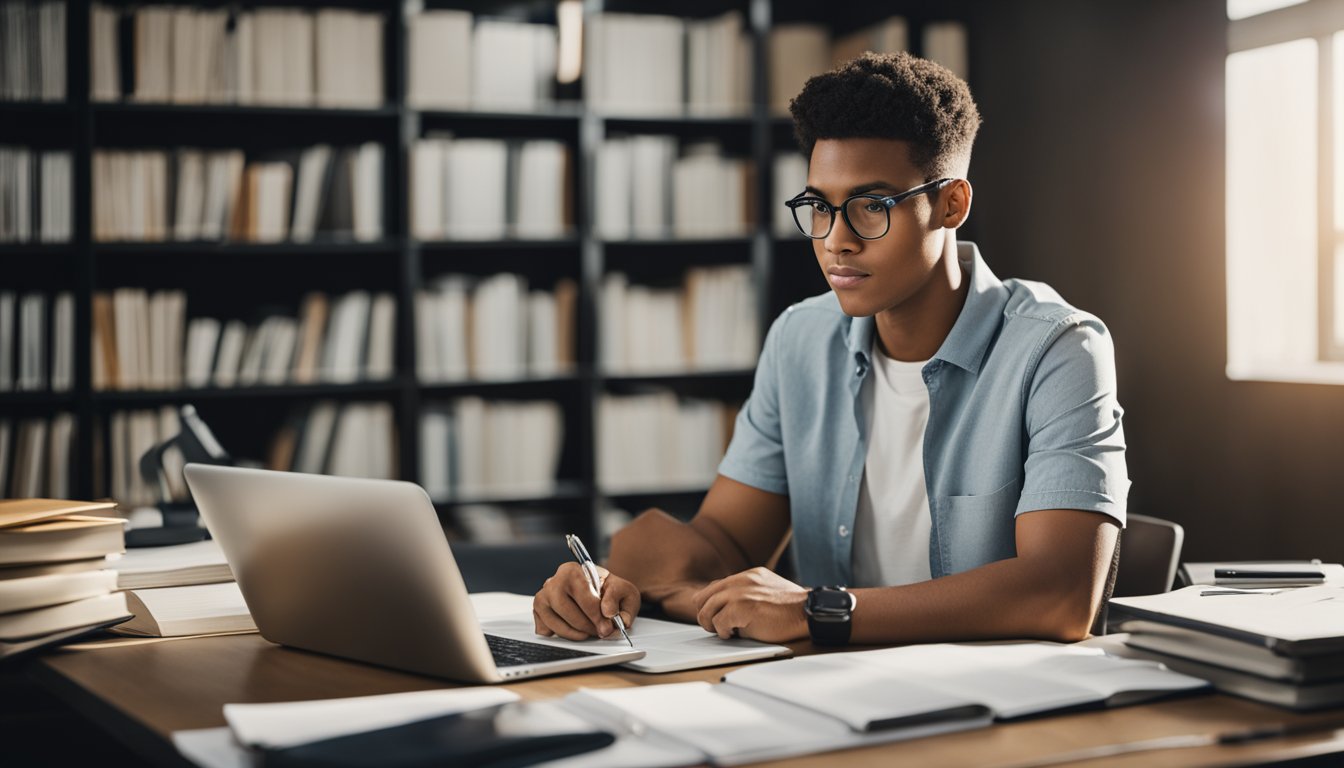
524 254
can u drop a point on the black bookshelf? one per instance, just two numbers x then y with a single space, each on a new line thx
221 274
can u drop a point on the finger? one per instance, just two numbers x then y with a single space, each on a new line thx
629 607
705 592
611 598
559 626
621 599
725 623
569 607
711 608
611 607
580 592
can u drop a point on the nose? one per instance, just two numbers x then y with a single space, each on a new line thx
841 238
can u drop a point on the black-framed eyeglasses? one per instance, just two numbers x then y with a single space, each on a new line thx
868 215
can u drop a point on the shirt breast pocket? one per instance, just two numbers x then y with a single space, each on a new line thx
972 531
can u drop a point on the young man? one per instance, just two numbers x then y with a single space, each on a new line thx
946 445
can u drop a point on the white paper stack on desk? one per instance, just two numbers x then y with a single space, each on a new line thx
1281 646
52 583
764 711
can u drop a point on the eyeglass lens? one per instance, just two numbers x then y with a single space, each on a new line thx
868 217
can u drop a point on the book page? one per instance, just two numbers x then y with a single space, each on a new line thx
192 610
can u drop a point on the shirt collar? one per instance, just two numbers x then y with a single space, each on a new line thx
981 315
965 345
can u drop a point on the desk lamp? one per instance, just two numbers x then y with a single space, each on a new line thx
180 518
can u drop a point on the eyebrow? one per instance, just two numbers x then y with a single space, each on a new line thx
859 190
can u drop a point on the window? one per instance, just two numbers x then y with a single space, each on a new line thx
1285 190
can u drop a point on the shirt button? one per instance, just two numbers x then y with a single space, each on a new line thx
844 531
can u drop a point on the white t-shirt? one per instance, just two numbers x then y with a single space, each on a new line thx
892 525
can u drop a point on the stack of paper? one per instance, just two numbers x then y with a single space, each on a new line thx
1282 646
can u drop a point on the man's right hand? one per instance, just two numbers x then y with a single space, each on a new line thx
565 605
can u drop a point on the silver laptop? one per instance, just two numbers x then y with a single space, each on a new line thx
361 569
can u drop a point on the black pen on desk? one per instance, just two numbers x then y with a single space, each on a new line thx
1257 575
594 583
1267 577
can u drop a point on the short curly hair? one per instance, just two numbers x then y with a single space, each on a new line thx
892 96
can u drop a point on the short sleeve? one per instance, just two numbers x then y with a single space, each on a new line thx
1076 442
755 455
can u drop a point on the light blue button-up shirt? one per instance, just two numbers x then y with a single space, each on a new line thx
1022 416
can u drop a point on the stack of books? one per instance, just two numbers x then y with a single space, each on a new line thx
53 584
1282 646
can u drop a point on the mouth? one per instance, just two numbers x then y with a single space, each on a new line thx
845 277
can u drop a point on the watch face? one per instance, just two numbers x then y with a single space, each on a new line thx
829 602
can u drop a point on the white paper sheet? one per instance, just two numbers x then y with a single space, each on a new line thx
212 748
287 724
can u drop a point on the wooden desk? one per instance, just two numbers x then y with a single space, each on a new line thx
142 693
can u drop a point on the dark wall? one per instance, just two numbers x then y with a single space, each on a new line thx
1099 169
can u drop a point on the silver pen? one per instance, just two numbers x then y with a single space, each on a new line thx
594 584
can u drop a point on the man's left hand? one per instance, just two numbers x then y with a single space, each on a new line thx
758 604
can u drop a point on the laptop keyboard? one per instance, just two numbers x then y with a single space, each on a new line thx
513 653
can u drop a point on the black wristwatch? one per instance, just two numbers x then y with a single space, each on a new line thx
828 612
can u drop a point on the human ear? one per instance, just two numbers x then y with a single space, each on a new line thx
956 203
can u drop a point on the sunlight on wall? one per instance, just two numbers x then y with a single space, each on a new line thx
1240 9
1272 211
1337 327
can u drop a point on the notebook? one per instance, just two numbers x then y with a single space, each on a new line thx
669 646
